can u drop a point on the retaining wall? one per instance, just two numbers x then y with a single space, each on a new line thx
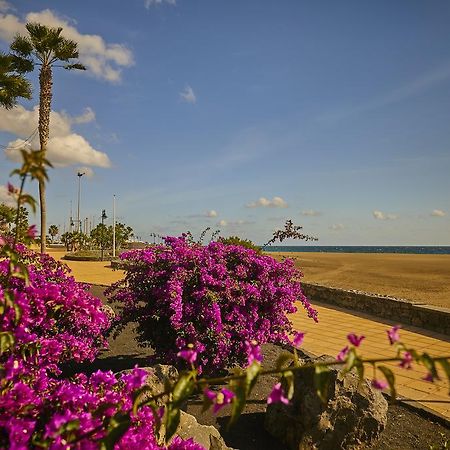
407 312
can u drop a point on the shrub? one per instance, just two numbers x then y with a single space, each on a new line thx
48 321
215 297
236 240
56 312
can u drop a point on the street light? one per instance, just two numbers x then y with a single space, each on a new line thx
79 174
104 217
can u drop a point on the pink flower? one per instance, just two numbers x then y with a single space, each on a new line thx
354 339
253 352
277 395
379 384
31 232
343 353
219 399
406 361
12 189
393 334
428 377
298 339
189 354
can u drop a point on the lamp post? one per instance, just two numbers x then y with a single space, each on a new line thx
114 227
79 175
104 217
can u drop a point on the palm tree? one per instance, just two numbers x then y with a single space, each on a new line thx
53 231
12 82
45 47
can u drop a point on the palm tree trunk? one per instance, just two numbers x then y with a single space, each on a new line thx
45 101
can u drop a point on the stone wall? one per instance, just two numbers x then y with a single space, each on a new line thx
406 312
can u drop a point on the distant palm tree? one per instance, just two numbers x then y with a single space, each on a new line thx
45 47
13 84
53 231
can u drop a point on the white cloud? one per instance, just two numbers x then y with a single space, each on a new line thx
87 116
437 213
379 215
64 146
149 3
5 197
233 224
102 59
211 213
310 213
337 227
188 95
276 202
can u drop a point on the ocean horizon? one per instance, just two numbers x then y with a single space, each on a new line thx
424 250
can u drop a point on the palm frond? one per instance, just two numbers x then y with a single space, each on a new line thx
76 66
21 46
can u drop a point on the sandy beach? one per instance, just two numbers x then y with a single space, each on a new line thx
424 278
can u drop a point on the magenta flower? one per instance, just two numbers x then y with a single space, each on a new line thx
277 395
379 384
219 399
298 339
12 189
393 334
253 352
189 354
406 361
343 353
428 377
354 339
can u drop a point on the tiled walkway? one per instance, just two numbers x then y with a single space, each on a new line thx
329 337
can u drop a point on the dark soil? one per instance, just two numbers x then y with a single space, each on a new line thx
406 429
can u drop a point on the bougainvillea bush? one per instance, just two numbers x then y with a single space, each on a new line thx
48 320
56 312
215 297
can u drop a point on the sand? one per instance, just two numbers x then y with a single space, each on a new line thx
423 278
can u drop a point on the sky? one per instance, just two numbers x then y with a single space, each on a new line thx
238 115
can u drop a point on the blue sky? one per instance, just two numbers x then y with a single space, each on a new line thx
239 115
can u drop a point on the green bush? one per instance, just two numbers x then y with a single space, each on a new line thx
236 240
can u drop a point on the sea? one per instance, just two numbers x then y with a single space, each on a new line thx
425 250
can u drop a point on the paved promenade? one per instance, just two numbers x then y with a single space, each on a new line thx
329 337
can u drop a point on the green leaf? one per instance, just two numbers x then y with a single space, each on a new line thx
172 420
322 378
183 388
359 368
138 394
289 377
390 378
238 403
252 373
428 362
7 341
284 360
117 427
446 366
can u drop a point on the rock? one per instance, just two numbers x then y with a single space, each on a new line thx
205 435
354 416
109 311
158 376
